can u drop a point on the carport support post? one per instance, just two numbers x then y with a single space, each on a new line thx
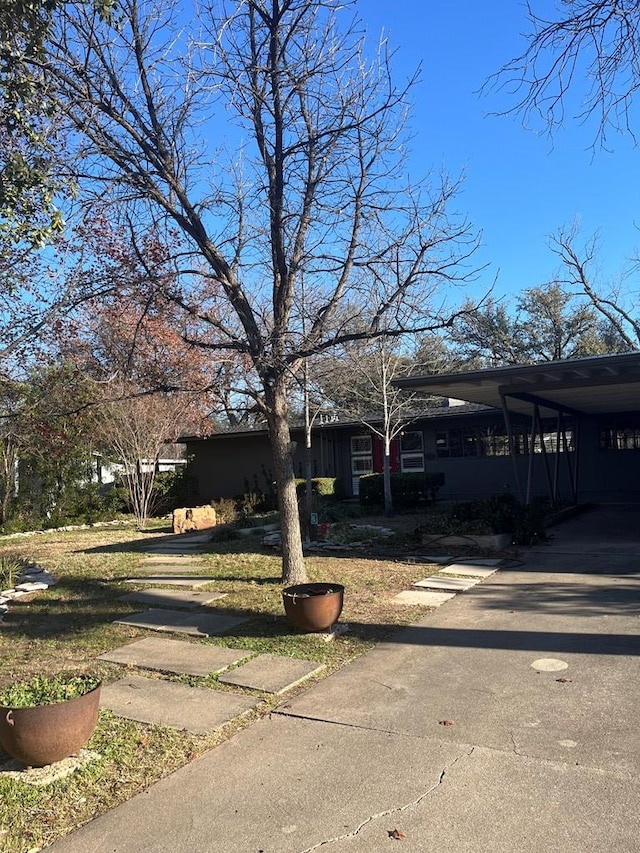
544 455
573 474
532 447
556 463
512 448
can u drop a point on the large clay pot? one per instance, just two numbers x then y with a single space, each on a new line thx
313 606
48 733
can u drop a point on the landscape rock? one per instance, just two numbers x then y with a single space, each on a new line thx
187 519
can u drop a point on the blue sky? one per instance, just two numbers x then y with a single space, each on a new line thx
519 185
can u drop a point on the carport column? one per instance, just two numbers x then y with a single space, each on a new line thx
512 448
545 458
573 475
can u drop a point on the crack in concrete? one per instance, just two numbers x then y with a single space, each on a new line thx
395 810
516 749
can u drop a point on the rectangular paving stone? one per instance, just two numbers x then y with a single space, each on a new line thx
163 703
467 571
182 598
422 597
178 622
171 567
272 673
176 580
160 558
175 656
446 583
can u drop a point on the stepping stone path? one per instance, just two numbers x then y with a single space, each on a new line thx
176 547
199 710
154 559
157 701
175 621
446 584
442 586
176 656
467 571
174 567
172 598
271 673
423 597
176 580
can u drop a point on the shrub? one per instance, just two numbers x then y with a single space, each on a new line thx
497 514
226 510
407 490
325 487
12 568
336 512
250 502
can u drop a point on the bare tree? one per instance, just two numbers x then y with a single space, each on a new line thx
134 427
592 46
589 49
359 384
317 188
579 270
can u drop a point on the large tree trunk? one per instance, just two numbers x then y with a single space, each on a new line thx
293 568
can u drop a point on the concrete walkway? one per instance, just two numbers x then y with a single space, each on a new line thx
507 720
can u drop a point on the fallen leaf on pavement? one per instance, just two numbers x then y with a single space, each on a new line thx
564 680
398 834
445 722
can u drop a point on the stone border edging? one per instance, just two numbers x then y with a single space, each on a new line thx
33 579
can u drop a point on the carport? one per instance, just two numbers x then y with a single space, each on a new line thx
568 391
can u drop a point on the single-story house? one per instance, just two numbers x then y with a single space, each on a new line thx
566 429
172 457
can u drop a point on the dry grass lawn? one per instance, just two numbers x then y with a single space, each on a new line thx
69 625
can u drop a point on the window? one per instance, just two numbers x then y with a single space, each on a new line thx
411 451
361 465
361 460
360 444
493 441
621 433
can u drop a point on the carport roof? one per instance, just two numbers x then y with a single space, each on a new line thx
594 385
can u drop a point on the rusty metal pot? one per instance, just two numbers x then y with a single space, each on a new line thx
47 733
313 606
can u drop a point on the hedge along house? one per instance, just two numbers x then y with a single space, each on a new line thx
570 429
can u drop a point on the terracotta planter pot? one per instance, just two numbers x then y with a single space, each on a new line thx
313 606
48 733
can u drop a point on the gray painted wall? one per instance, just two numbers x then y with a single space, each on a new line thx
227 464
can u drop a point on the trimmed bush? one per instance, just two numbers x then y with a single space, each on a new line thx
407 490
325 487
